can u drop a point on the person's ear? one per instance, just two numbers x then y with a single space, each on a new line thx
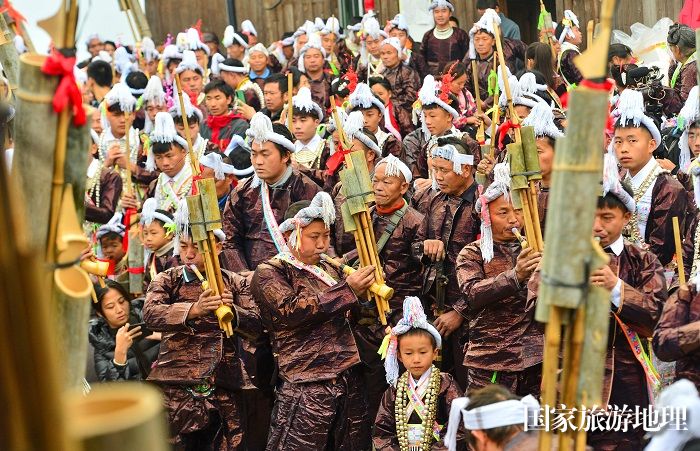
626 217
219 247
652 145
436 351
404 188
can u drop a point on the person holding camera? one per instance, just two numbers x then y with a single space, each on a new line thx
122 351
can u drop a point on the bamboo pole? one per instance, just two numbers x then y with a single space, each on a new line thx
679 251
8 55
290 103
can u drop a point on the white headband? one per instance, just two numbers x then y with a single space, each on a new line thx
163 132
541 119
485 23
441 4
303 101
612 185
189 62
214 161
149 212
499 187
230 36
395 167
630 110
353 126
364 98
121 94
570 20
322 207
261 130
450 153
114 225
394 42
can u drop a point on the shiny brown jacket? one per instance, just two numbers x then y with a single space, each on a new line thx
503 333
248 241
405 82
192 351
415 150
668 199
110 192
307 321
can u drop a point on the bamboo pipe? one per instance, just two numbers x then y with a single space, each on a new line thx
290 95
194 163
514 119
550 367
479 108
374 255
679 251
380 289
496 115
521 239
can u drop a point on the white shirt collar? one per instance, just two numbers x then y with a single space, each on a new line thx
185 172
312 145
618 246
641 175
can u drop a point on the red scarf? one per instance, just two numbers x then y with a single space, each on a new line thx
391 210
216 123
392 117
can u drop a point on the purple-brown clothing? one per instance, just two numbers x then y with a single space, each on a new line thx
110 191
677 334
685 80
321 91
384 437
668 199
567 68
513 54
416 145
405 82
503 333
438 52
248 241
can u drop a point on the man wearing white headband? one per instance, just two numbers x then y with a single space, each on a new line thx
637 285
235 74
310 147
568 33
312 60
253 211
304 304
493 273
338 56
169 154
494 419
236 44
658 195
260 62
369 63
415 408
398 28
192 76
374 112
196 360
443 43
195 120
158 228
154 101
450 223
403 78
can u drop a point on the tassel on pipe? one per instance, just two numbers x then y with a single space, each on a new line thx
194 163
679 251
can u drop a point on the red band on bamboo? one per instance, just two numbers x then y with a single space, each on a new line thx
137 270
67 92
606 85
336 160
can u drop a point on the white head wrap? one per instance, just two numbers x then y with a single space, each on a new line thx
321 207
121 94
303 101
504 413
189 62
236 142
114 225
154 93
499 187
399 21
213 161
230 35
332 25
689 115
217 65
194 43
485 23
248 28
163 132
681 395
314 42
630 110
171 52
190 109
450 153
259 47
123 62
570 21
394 42
261 131
353 126
363 98
612 185
436 4
541 118
413 318
395 167
148 49
149 213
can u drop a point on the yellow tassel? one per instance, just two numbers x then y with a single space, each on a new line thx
385 346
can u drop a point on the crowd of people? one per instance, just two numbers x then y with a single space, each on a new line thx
309 365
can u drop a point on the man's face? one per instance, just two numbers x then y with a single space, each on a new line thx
223 186
389 56
202 58
402 35
483 43
192 81
634 147
381 92
96 123
288 51
441 16
437 120
372 119
94 46
328 42
545 154
217 102
503 220
274 99
313 61
373 45
448 181
694 139
609 223
189 253
315 239
112 249
304 127
117 122
267 161
152 109
193 125
578 36
172 161
387 189
235 51
257 62
301 42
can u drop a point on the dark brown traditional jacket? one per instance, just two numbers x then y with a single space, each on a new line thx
416 146
567 68
110 192
438 52
192 351
162 260
405 82
542 203
307 321
453 221
503 333
685 81
392 146
384 436
668 199
403 118
514 55
321 91
248 241
677 334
